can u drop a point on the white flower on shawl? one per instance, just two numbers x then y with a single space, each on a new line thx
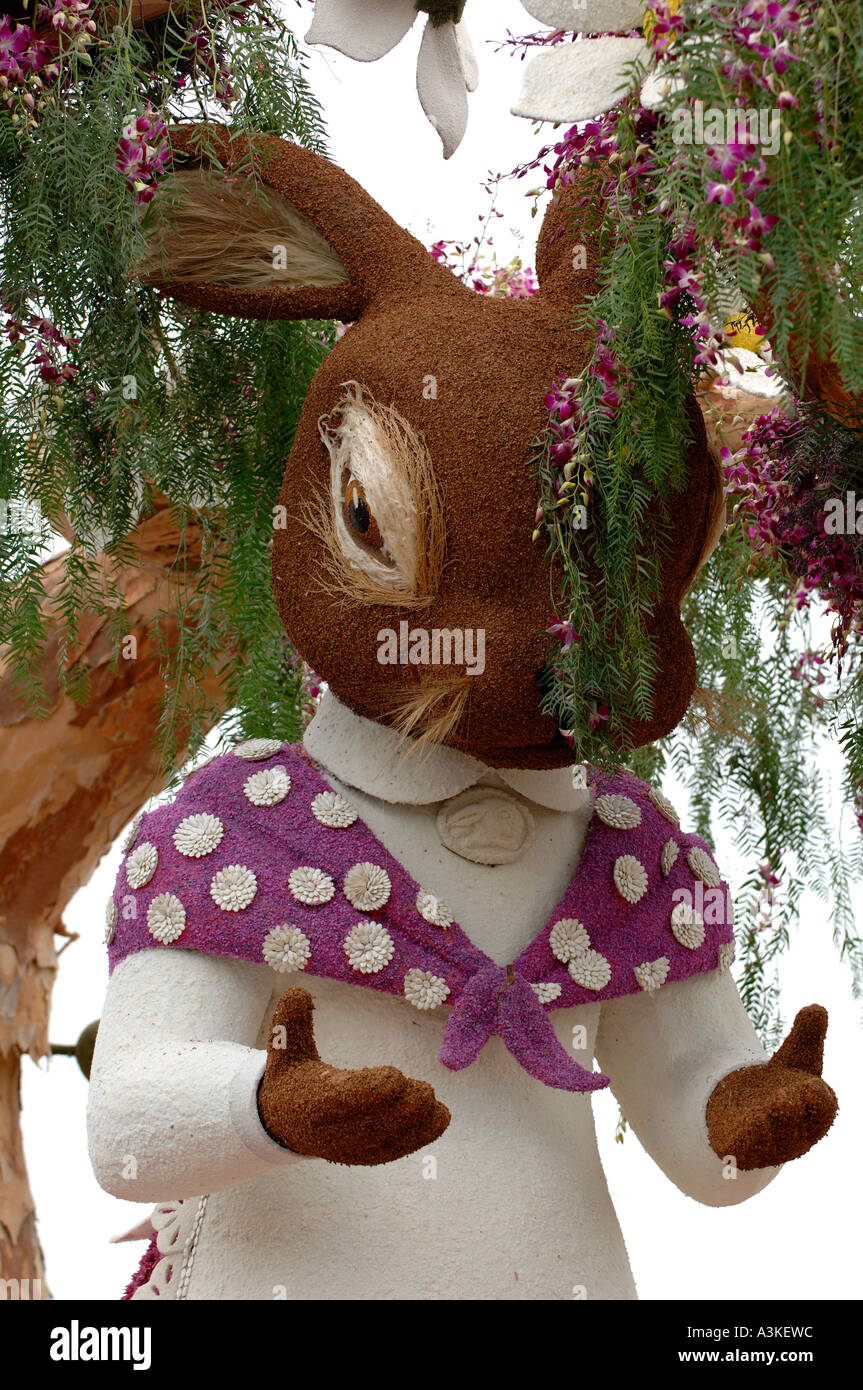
652 974
331 809
367 886
368 947
286 948
198 835
433 909
619 812
268 787
546 993
703 867
590 969
446 68
568 938
688 926
310 886
141 865
166 918
425 990
233 887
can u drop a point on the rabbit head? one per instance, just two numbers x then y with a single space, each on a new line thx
408 493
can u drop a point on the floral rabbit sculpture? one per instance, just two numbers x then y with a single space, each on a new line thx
467 911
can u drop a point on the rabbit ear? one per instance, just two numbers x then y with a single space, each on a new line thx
309 243
567 251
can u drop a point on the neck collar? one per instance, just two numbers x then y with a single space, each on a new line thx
380 762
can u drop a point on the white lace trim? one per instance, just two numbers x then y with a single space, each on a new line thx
176 1248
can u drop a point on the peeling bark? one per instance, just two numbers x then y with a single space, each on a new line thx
71 780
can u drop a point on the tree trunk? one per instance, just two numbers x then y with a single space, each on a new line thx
71 781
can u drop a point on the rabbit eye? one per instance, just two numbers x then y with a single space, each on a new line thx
359 515
381 515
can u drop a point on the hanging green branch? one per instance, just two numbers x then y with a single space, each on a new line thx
110 393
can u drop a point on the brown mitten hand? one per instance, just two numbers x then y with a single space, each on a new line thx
765 1115
372 1115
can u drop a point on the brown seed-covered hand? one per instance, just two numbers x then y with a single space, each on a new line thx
368 1116
768 1114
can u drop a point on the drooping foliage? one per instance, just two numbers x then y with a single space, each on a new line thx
112 395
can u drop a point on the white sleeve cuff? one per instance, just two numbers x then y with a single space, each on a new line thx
244 1113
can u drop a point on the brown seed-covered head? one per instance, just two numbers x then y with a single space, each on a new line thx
406 574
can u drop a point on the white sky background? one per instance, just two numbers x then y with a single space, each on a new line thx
798 1240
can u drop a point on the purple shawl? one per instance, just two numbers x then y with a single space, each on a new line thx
259 859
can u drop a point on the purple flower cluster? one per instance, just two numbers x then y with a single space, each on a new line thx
563 631
513 281
762 30
684 280
142 153
209 62
741 173
568 418
606 369
666 26
566 421
783 478
756 58
311 684
28 55
48 345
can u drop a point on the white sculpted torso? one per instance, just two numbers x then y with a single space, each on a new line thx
510 1202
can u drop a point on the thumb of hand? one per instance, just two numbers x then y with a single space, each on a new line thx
292 1036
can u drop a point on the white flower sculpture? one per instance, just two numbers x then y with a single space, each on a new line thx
331 809
726 955
268 787
141 865
688 926
590 969
310 886
652 974
433 910
286 948
630 878
446 67
166 918
565 81
568 939
233 887
663 805
578 81
703 867
198 835
256 750
619 812
546 993
669 856
111 915
367 886
368 947
425 990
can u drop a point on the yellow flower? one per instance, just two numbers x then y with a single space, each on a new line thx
650 18
740 333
